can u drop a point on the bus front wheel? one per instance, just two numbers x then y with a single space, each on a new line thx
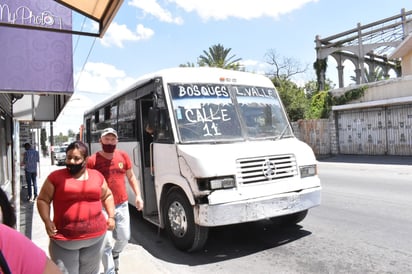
179 222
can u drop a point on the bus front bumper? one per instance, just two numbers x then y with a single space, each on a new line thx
258 208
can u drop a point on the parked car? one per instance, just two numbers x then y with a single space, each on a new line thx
60 155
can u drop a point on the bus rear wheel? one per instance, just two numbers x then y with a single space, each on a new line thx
179 222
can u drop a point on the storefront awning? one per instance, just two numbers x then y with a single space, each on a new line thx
20 14
102 11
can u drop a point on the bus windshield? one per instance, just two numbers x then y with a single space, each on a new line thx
220 112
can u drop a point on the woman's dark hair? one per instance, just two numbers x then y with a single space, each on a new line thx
7 210
80 146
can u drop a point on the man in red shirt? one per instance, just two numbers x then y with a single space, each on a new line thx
114 164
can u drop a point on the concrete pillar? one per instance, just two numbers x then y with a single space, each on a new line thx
358 73
340 75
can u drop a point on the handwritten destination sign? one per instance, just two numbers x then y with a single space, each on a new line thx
207 110
206 119
206 114
214 91
255 92
196 90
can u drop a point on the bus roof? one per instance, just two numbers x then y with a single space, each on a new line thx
193 75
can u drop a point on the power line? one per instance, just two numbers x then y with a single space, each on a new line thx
88 55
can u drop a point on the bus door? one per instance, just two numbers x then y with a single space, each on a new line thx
146 147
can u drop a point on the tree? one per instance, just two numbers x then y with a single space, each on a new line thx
283 67
372 75
320 67
320 102
60 139
188 64
293 98
319 106
43 139
70 133
312 87
218 56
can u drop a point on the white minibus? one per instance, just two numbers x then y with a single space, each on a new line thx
210 147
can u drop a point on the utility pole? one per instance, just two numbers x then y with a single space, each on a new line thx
51 143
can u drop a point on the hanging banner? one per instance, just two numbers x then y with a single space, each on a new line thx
35 61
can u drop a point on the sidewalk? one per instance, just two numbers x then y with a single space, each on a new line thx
134 259
369 159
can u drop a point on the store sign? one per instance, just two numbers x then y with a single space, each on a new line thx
35 61
24 15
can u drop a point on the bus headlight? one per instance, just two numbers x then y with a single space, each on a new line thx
216 183
307 171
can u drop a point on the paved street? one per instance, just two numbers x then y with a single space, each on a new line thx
362 226
351 232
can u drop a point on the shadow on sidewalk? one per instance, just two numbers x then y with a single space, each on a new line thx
26 214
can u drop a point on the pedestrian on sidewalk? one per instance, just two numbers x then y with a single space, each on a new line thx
78 228
30 162
30 259
114 164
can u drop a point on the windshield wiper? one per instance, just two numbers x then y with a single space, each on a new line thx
282 133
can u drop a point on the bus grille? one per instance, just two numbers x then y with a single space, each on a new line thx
265 169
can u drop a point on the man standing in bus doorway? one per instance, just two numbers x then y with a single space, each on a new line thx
114 164
30 161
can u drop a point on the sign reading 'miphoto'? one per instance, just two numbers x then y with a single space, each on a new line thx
35 60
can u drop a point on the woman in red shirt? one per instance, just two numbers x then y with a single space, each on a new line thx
77 230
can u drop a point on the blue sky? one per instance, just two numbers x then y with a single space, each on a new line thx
149 35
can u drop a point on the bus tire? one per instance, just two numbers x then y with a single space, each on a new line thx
179 222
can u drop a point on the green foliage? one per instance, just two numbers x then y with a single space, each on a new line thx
320 67
43 139
321 102
350 95
60 139
293 98
319 106
188 64
218 56
372 75
312 87
71 133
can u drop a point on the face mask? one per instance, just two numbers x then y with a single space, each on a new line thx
74 169
108 148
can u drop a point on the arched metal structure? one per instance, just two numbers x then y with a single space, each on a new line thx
364 45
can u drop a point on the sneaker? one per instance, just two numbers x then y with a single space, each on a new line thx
34 198
28 199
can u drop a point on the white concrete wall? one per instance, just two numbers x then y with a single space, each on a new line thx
396 90
406 64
